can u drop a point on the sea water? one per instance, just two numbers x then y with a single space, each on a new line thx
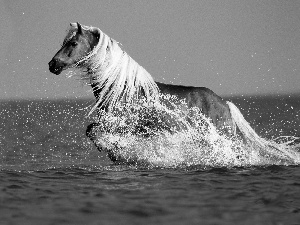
50 173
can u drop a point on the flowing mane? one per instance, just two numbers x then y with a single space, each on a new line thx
115 73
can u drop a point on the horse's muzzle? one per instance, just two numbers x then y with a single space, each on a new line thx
55 66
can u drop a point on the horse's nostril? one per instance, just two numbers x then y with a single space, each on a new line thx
54 63
55 66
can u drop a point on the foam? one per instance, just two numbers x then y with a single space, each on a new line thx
141 134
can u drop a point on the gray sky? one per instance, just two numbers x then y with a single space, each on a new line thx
233 47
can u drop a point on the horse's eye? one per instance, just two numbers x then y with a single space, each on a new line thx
73 44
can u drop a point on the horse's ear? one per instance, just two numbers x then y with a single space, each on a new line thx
95 37
95 32
79 28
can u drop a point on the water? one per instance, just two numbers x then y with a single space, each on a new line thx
51 174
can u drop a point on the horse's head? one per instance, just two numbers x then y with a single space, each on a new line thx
78 43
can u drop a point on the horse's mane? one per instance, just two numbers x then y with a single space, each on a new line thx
115 74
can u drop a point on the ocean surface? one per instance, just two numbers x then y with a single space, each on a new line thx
50 173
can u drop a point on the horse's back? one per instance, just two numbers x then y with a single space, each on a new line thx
205 99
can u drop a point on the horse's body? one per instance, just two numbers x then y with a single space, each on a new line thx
210 104
113 76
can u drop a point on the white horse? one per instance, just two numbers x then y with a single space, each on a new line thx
115 77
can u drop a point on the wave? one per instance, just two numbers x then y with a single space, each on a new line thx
173 135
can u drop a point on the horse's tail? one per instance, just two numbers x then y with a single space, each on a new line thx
267 148
244 127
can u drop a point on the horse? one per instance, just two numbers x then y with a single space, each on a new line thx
114 76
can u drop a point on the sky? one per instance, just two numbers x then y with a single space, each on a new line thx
233 47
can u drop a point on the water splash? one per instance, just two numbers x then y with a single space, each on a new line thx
173 135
